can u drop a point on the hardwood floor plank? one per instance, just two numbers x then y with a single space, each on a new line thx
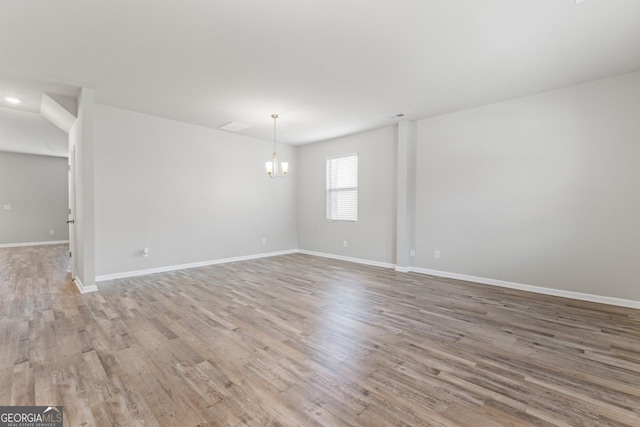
297 340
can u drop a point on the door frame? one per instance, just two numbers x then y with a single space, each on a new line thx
72 212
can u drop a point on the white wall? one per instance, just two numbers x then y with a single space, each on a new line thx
36 189
542 190
186 192
81 136
372 237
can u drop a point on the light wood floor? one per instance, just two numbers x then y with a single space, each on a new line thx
299 340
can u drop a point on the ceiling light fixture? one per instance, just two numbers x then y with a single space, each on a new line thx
272 167
12 100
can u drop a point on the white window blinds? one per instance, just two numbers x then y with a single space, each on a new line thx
342 188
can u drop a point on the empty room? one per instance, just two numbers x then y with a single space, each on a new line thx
329 213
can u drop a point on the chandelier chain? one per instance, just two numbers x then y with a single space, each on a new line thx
275 117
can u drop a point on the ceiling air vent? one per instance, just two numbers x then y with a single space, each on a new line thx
398 116
234 126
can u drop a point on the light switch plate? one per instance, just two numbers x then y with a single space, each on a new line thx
7 207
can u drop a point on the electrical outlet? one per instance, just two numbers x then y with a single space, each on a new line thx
412 252
344 243
264 240
436 255
7 207
145 252
51 232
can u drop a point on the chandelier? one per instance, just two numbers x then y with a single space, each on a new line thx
272 167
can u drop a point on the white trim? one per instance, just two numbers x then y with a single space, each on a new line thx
339 156
135 273
85 289
16 245
492 282
346 258
530 288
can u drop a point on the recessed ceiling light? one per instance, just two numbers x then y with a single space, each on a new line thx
12 100
234 126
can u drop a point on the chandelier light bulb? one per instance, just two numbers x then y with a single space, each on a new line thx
272 167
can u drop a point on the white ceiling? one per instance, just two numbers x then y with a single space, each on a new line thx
27 90
30 133
328 68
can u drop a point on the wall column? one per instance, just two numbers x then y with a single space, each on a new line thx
406 194
82 137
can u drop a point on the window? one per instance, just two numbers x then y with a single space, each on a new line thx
342 188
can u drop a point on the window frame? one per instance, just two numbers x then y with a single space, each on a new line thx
328 190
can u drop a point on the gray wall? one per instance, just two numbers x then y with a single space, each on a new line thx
372 237
37 190
542 190
186 192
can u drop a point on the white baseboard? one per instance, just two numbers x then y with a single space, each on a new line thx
493 282
17 245
346 258
529 288
85 289
135 273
